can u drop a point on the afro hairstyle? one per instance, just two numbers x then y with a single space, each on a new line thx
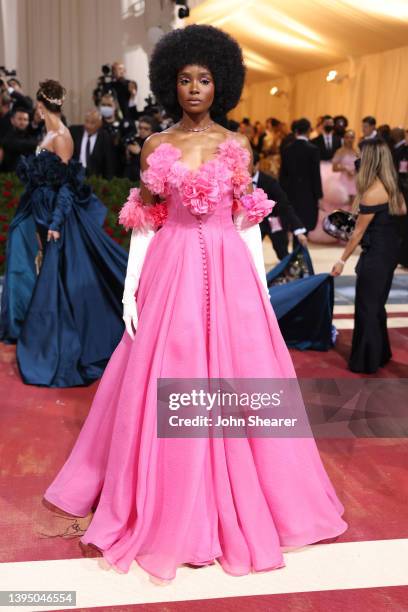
203 45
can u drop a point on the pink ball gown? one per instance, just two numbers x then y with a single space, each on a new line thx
335 195
203 312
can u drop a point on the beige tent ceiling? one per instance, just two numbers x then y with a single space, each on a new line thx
284 37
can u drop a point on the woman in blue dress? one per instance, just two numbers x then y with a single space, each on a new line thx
62 295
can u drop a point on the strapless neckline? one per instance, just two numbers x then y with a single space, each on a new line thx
205 163
373 208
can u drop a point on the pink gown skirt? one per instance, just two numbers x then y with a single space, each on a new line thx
335 195
164 502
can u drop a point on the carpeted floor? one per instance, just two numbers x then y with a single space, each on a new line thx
40 426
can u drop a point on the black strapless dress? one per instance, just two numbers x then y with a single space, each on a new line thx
375 270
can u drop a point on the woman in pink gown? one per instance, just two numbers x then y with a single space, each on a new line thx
339 186
202 311
343 162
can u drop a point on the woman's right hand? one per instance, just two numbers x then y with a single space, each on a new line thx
130 317
53 234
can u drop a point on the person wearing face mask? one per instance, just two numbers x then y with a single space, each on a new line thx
334 196
110 118
328 142
121 131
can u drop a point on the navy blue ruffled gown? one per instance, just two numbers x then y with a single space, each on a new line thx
67 320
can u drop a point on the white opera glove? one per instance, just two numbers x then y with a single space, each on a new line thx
139 243
252 237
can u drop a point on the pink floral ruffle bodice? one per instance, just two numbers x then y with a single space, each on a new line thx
223 178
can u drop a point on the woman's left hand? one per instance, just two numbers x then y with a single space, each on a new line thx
302 238
337 269
53 234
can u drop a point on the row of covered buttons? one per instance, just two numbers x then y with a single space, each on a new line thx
205 270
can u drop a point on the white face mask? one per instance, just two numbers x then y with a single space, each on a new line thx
107 111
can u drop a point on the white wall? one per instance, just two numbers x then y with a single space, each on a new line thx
69 40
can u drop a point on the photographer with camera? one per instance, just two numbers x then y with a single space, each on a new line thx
147 125
123 88
114 81
12 86
17 95
17 140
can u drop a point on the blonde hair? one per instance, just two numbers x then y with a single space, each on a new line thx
377 163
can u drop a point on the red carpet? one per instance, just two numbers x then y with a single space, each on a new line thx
392 599
40 425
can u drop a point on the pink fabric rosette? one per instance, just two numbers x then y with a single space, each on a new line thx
200 192
237 159
136 214
160 162
256 205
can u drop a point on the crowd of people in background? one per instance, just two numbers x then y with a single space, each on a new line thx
314 166
108 142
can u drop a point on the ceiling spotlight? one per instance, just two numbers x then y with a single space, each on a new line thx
275 91
335 77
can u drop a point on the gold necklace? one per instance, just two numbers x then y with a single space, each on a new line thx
195 129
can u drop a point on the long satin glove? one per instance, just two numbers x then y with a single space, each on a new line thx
139 243
252 237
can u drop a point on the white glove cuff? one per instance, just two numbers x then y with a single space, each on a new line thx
253 239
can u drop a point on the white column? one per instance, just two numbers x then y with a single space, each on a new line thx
8 38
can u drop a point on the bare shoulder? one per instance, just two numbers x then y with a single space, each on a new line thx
63 146
242 139
150 144
375 194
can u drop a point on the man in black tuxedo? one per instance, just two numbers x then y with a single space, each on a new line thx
300 175
400 154
329 141
93 146
282 218
400 157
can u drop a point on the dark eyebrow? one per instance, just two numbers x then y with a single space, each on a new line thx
205 73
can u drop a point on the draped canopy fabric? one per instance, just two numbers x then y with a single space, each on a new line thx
289 44
293 45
